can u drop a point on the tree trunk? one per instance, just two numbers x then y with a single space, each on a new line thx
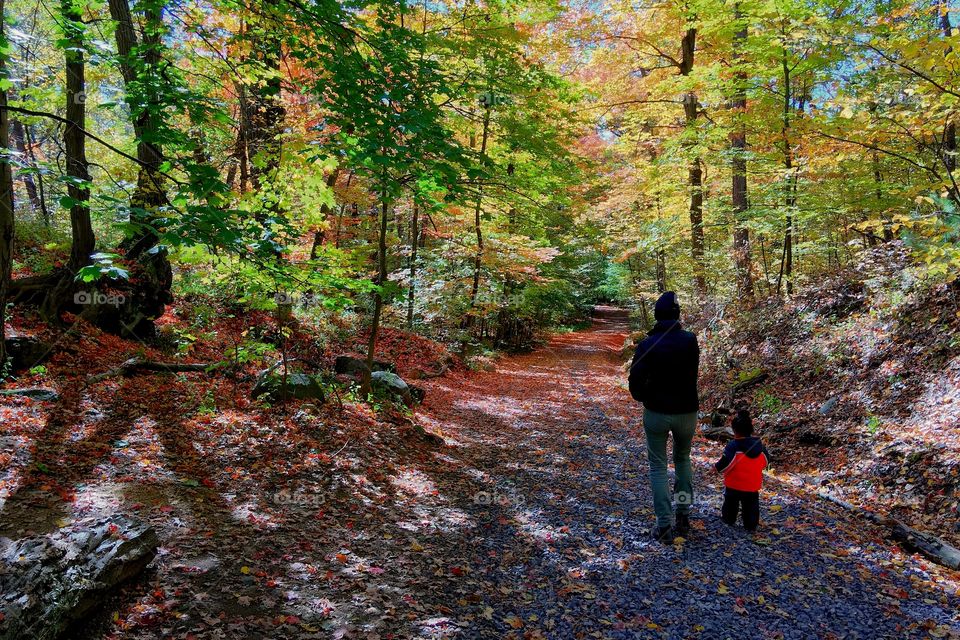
764 263
140 66
950 132
790 180
18 134
320 235
691 108
661 270
878 192
377 294
243 125
661 256
6 198
55 292
478 259
929 545
29 143
788 255
265 108
78 171
414 245
738 147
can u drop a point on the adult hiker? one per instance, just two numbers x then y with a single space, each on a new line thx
663 377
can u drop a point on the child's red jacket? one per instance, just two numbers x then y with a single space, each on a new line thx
742 464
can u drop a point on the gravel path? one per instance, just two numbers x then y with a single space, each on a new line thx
562 510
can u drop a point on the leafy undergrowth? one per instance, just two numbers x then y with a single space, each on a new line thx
863 398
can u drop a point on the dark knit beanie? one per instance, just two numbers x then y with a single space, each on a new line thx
667 307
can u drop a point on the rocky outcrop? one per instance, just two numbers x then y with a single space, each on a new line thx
351 366
392 385
47 583
274 385
26 352
34 393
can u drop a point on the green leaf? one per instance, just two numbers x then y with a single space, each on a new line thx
68 203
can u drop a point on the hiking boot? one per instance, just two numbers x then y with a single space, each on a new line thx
662 534
682 526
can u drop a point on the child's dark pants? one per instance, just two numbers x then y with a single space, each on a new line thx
732 502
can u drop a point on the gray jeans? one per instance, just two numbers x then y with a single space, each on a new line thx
657 427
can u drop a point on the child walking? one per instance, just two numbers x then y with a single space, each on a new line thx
742 464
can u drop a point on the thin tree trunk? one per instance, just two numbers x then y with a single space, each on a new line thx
54 292
377 294
78 170
18 134
789 187
343 208
783 255
950 132
336 239
878 183
243 152
31 144
478 259
414 245
265 114
763 261
661 270
738 145
691 108
661 257
7 220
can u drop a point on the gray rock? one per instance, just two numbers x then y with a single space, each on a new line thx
49 582
393 385
356 366
300 386
36 393
26 352
829 406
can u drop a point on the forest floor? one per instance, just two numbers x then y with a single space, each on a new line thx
531 521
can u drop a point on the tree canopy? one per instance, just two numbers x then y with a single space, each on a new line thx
481 170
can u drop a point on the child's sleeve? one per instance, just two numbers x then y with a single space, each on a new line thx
729 453
766 454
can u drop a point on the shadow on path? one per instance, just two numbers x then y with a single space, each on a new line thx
567 553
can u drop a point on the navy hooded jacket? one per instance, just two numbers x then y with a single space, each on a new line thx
663 375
